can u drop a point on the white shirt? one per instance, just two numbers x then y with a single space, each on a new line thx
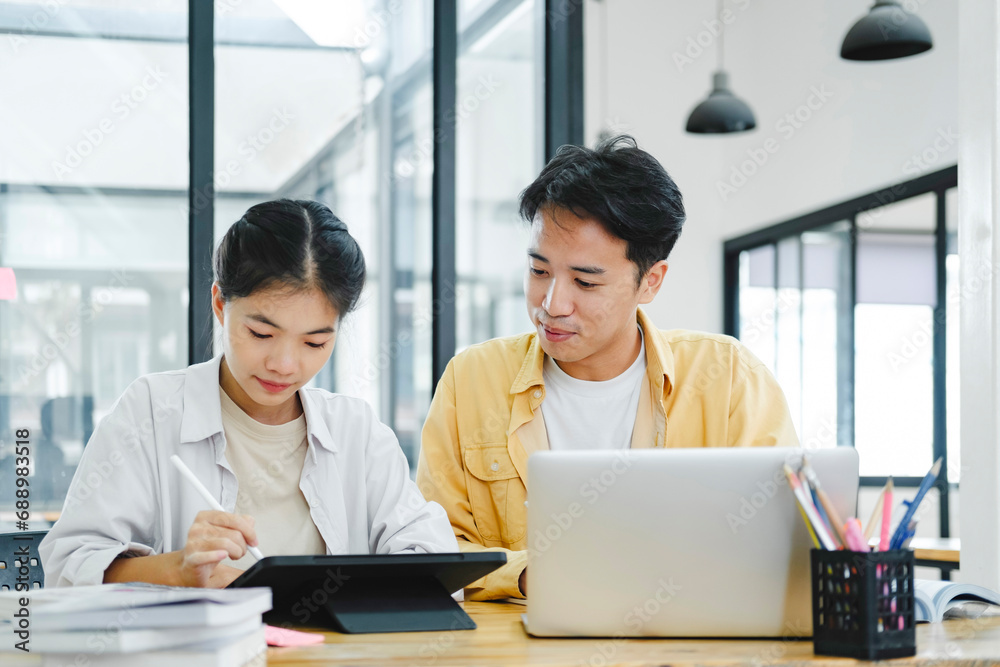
127 497
580 414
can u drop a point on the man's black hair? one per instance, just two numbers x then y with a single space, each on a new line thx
619 185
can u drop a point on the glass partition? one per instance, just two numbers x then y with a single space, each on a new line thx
93 174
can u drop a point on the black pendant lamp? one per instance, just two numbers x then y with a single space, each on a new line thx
722 112
888 31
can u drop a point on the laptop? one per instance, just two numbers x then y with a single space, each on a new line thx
700 542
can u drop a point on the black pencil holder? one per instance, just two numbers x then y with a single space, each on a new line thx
862 604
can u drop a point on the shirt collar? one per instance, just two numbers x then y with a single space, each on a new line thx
659 359
659 356
315 423
202 415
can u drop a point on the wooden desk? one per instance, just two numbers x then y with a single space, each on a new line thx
501 640
943 549
940 552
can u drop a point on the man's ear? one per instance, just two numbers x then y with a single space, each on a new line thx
218 305
653 281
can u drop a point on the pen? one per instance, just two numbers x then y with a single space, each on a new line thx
828 508
807 506
203 492
911 505
883 543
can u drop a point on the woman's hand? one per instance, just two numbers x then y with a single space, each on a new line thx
212 537
223 575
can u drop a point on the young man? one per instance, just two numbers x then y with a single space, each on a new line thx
596 373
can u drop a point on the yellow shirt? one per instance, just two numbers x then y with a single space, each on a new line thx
703 390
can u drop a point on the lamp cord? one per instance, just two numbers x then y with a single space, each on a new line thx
722 33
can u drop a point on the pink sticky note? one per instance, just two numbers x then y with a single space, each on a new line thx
8 285
284 637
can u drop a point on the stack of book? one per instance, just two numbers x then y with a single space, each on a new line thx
109 625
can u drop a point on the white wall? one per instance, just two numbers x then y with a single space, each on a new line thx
875 118
979 247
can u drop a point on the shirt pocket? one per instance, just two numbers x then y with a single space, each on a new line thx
496 494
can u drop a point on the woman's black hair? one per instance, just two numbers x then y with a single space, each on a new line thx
621 186
293 244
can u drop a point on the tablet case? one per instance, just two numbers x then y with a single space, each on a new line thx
365 593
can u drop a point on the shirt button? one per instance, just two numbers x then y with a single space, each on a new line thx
538 393
495 466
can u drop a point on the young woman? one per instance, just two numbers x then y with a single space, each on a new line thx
298 469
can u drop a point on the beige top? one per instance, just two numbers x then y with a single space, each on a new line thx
268 462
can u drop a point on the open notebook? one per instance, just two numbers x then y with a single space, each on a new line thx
933 599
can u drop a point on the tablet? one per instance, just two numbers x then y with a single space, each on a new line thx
366 593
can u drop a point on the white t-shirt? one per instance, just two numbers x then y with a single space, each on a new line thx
580 414
267 461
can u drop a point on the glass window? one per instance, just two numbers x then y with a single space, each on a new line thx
794 328
864 377
343 117
826 299
894 353
93 182
757 303
499 152
916 214
313 100
953 311
788 317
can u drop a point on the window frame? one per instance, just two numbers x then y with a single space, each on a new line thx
937 183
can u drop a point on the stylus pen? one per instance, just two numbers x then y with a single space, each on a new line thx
203 492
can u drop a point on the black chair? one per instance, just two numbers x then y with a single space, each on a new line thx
13 544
